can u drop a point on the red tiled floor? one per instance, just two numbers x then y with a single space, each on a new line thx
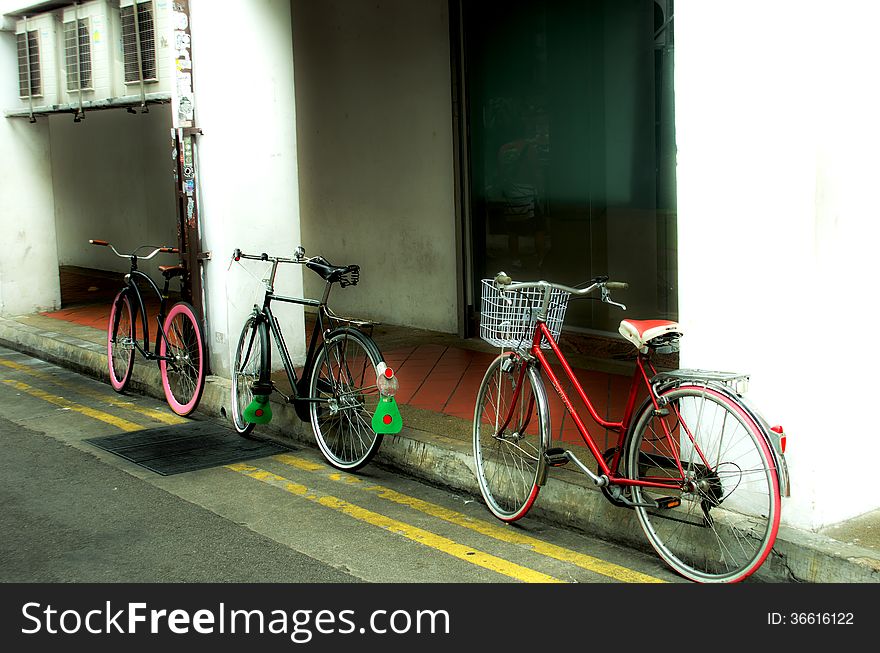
96 316
434 377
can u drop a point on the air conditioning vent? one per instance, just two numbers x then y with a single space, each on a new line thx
78 55
29 77
92 57
37 42
139 42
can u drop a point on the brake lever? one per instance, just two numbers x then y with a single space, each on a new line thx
606 297
501 281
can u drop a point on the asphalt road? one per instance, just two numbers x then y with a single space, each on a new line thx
72 512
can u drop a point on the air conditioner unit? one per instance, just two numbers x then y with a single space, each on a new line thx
147 48
89 34
37 42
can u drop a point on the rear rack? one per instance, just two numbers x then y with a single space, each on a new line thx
739 383
338 320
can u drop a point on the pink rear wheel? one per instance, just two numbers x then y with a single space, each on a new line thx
183 359
120 342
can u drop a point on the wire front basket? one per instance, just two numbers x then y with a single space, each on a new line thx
508 319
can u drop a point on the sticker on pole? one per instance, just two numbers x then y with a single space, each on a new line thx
386 418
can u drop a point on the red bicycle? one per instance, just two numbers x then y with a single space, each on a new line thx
702 469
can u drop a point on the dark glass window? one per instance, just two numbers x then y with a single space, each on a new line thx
571 148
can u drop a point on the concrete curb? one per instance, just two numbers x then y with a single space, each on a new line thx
798 556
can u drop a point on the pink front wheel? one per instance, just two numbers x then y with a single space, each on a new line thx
183 359
120 341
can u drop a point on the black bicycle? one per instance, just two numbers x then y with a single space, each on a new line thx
339 390
179 347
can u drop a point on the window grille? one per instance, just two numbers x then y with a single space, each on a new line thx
29 79
78 55
139 42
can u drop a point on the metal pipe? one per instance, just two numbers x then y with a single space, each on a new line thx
27 57
137 44
79 112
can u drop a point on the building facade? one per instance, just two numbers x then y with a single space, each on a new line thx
717 158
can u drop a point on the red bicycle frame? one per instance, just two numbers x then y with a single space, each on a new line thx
640 376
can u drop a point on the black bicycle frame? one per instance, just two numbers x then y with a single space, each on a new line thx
132 289
265 314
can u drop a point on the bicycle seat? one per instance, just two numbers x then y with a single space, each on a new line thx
171 271
648 333
333 273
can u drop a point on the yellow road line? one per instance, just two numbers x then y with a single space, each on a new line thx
490 529
432 540
118 422
153 413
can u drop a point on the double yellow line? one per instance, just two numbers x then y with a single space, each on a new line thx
501 533
123 424
490 529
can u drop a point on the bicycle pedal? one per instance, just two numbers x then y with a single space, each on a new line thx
556 457
668 502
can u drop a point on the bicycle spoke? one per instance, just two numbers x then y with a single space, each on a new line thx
508 459
344 375
729 503
182 363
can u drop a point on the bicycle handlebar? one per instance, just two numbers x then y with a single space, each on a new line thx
156 250
504 283
298 257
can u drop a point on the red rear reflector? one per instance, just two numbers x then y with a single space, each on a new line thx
388 372
778 429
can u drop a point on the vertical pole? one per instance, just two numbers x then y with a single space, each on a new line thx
79 85
27 57
137 49
183 134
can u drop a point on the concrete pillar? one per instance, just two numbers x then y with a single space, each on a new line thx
778 223
29 259
248 192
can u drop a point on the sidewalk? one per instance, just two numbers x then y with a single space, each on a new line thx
439 376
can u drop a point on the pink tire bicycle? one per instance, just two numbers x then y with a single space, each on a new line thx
179 346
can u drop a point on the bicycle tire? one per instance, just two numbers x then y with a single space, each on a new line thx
728 517
183 361
120 341
251 364
510 469
343 376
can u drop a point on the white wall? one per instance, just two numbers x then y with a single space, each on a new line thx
375 150
112 178
778 222
244 100
28 268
